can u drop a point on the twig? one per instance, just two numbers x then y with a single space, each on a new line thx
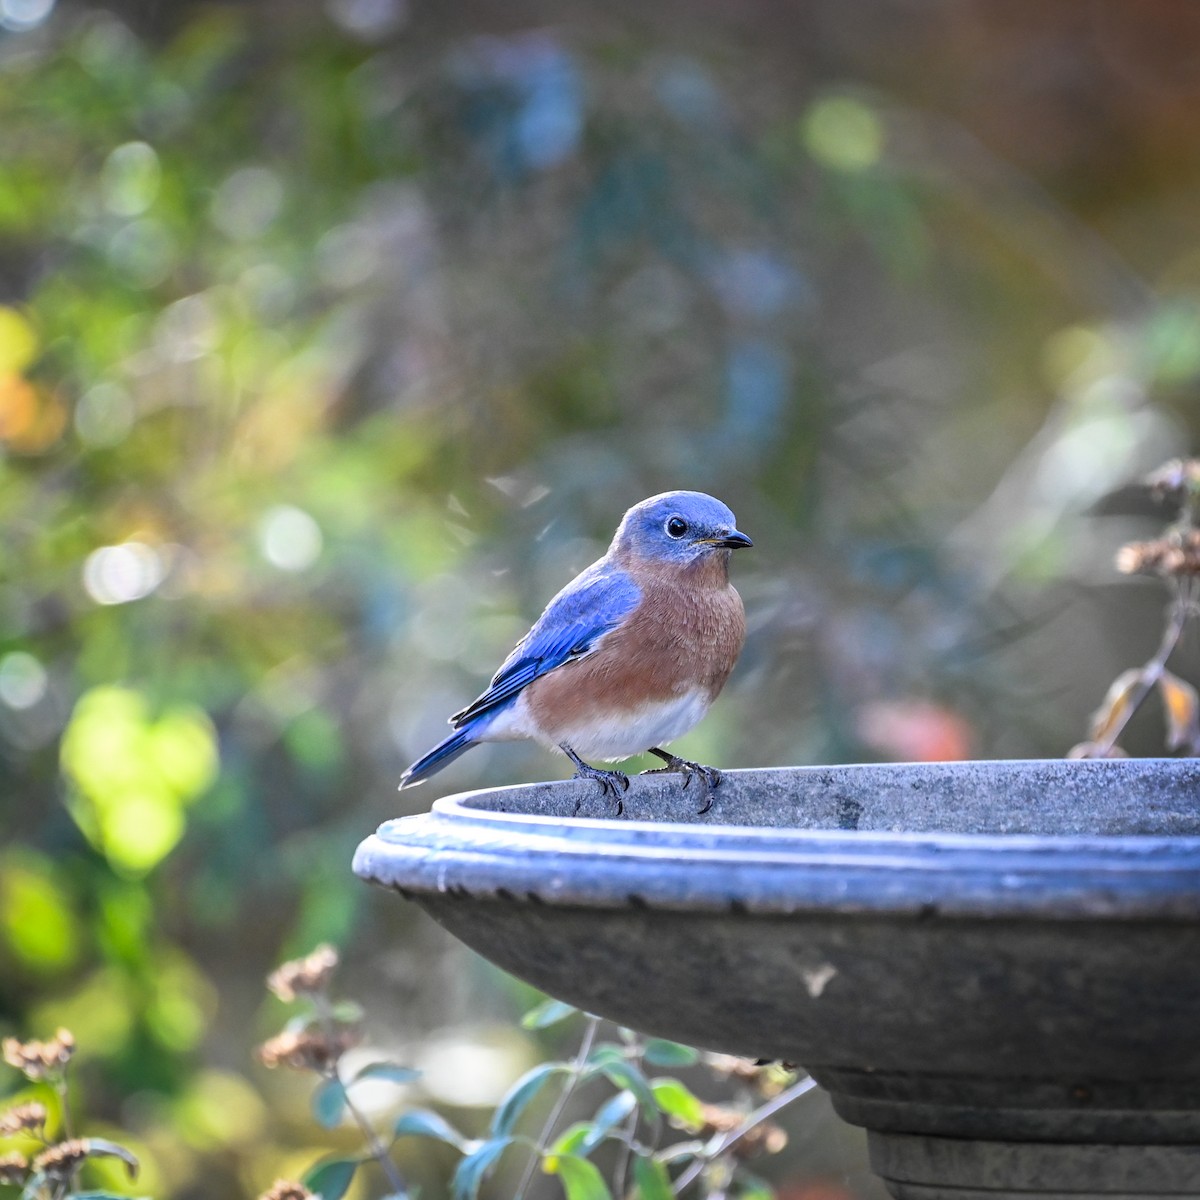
64 1105
374 1144
376 1147
636 1049
1151 673
723 1144
67 1185
578 1063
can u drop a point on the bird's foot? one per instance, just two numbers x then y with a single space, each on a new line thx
612 783
685 767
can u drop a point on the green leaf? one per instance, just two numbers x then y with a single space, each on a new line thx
653 1182
584 1136
606 1052
423 1123
661 1053
549 1012
474 1167
329 1102
104 1196
677 1101
392 1072
521 1093
581 1179
625 1075
103 1148
572 1139
331 1179
608 1117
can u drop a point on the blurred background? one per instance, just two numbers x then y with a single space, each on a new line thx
335 337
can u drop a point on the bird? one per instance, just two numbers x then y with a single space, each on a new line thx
627 657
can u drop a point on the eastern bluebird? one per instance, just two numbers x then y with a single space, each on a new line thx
628 656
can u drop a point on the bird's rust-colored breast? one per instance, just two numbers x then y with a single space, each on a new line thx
685 635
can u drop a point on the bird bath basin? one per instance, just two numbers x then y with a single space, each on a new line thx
994 967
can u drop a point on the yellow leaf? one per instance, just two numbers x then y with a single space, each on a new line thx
1182 705
1111 715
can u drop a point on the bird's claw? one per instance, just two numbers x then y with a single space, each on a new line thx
612 783
687 768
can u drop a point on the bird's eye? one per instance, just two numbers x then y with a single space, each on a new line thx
676 527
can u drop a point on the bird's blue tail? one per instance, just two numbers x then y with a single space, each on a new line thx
444 753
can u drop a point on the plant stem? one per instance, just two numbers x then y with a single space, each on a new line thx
67 1185
726 1142
378 1150
625 1154
578 1063
621 1174
60 1086
1151 673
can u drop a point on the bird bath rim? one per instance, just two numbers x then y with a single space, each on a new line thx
522 841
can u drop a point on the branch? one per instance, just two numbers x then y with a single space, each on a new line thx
578 1063
1151 673
378 1151
722 1145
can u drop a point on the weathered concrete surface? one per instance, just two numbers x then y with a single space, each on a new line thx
994 967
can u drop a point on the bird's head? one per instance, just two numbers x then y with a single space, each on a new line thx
679 527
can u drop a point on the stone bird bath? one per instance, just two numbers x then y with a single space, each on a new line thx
994 967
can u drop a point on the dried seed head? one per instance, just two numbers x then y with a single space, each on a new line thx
13 1167
285 1189
764 1138
24 1118
1177 480
307 1049
720 1119
304 976
36 1060
729 1066
767 1079
1175 554
64 1158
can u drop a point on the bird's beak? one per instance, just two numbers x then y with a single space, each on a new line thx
733 540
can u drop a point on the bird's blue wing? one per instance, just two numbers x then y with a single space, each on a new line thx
586 609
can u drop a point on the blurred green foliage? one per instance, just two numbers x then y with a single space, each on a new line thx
335 338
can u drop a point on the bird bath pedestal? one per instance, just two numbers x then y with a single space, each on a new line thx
993 967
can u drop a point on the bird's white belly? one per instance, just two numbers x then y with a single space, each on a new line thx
624 733
621 733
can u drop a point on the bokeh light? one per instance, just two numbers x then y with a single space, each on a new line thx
247 202
23 680
18 342
289 538
843 133
130 179
104 415
135 773
23 15
123 573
